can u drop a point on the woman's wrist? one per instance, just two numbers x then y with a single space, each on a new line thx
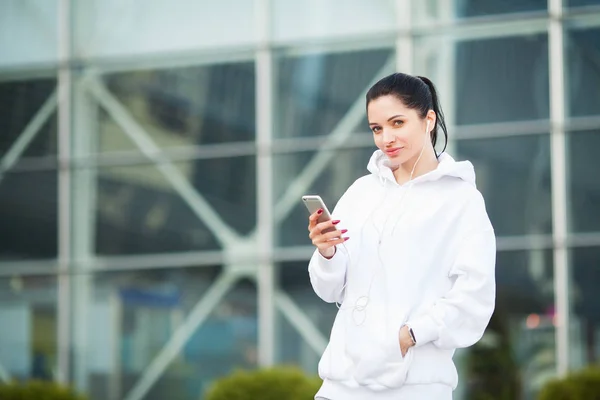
405 339
328 253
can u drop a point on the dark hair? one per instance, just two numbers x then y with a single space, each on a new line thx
416 92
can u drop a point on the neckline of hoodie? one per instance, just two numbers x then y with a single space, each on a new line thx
383 178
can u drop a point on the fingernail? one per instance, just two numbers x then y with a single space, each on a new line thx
320 211
344 231
337 221
346 238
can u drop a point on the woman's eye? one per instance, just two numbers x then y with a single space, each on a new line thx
398 123
376 129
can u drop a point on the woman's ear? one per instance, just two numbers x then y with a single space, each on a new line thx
431 120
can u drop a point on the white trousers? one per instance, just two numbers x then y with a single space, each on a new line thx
417 392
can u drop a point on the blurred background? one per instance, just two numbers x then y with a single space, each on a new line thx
153 154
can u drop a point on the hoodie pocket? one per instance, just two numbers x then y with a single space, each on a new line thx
381 363
395 366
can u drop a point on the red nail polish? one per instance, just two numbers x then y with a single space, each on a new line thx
337 221
346 238
344 231
320 211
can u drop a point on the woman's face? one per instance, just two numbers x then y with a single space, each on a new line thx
398 131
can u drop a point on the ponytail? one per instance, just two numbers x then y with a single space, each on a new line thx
437 108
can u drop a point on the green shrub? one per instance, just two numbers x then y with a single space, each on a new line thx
580 385
280 383
36 390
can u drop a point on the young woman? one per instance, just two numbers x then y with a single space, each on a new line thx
411 262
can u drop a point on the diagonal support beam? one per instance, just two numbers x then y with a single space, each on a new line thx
223 233
195 318
298 319
324 155
4 375
26 137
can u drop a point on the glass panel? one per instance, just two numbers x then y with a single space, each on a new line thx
492 84
344 168
516 355
103 28
585 309
28 211
27 118
444 9
513 173
487 82
584 186
293 20
314 92
139 211
28 342
579 3
28 32
583 48
133 315
292 348
183 106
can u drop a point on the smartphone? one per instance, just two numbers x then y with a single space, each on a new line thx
314 203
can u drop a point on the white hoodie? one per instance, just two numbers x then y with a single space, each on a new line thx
420 254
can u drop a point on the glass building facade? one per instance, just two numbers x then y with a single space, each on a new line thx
153 154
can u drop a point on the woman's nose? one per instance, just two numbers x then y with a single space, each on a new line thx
388 137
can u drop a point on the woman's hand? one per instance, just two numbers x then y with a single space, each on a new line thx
325 242
405 340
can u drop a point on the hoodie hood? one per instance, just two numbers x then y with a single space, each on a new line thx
380 166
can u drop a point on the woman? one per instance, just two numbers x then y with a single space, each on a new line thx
411 262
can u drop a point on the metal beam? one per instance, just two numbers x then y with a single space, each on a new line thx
404 40
208 258
195 318
298 319
279 254
176 59
116 344
582 17
320 160
176 154
222 232
64 192
264 181
559 182
26 137
84 189
446 75
480 28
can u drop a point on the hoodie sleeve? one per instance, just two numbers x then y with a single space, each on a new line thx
460 318
328 276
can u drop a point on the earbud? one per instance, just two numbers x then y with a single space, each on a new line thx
426 135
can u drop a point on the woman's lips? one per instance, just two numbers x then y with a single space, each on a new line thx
393 152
